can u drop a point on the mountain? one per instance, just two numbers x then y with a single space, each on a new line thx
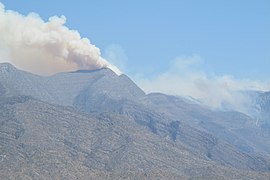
66 88
259 109
95 123
262 105
20 82
44 141
234 127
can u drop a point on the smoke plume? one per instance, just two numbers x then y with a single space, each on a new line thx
45 48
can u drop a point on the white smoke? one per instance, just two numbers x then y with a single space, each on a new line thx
46 47
185 77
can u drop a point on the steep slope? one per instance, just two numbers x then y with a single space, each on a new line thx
104 95
101 91
20 82
69 86
43 141
263 104
64 88
108 94
234 127
259 106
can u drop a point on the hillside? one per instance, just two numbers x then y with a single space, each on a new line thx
98 124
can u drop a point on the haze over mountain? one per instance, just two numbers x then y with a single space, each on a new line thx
85 119
96 123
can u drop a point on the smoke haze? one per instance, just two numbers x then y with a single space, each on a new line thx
185 77
45 48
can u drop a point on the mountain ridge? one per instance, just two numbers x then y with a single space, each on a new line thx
103 96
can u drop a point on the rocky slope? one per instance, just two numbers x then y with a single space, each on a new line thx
104 125
43 141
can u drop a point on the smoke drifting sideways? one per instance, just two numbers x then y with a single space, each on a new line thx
46 48
188 77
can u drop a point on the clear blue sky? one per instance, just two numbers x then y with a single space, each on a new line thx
232 36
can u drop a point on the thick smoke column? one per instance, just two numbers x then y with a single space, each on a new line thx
46 47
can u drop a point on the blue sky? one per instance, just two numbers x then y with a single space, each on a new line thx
209 50
232 37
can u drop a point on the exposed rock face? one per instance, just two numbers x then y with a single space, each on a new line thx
98 124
